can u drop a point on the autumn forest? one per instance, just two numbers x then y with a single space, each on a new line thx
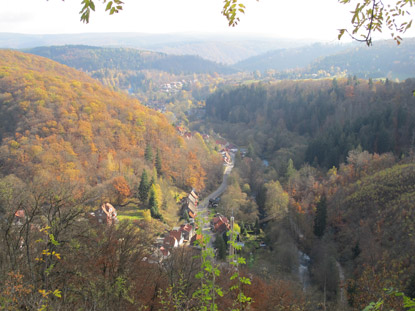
140 180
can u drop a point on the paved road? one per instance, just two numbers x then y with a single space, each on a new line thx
203 205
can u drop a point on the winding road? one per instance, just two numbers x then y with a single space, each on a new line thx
203 209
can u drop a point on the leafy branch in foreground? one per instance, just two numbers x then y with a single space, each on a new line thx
372 16
242 301
407 302
113 6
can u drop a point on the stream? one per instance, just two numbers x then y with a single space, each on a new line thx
303 270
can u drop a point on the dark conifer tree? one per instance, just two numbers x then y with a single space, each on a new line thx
320 219
148 153
144 187
157 163
220 245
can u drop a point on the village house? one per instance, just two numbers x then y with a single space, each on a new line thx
177 234
187 232
220 224
225 155
19 217
189 206
106 214
170 242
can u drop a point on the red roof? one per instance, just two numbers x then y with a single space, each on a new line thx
186 227
221 227
219 218
176 234
20 213
169 241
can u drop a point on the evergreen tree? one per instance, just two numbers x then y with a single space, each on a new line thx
410 289
157 163
220 245
144 187
290 169
148 153
153 203
243 229
320 219
257 229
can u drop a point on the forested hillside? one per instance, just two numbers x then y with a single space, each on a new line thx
316 121
289 58
59 124
68 145
172 83
91 59
382 60
328 168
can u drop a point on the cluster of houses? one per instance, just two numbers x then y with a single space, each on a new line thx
184 235
226 149
172 87
184 132
189 206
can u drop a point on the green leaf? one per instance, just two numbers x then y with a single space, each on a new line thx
109 5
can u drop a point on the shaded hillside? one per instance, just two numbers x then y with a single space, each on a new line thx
88 58
59 124
316 121
291 58
383 59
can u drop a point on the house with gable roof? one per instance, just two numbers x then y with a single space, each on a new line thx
106 214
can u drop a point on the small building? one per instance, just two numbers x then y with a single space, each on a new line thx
107 214
170 242
19 217
187 232
177 233
220 224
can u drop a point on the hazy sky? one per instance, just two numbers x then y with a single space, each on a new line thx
316 19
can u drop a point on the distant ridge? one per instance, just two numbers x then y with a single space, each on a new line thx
383 59
91 58
215 47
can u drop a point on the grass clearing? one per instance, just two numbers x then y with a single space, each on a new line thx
130 212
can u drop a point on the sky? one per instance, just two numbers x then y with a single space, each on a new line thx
302 19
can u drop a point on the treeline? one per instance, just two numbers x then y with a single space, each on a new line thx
317 122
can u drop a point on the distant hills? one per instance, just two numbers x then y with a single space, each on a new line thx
284 59
290 59
383 59
215 47
90 58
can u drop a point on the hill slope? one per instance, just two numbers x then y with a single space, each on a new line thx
89 58
59 124
383 59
